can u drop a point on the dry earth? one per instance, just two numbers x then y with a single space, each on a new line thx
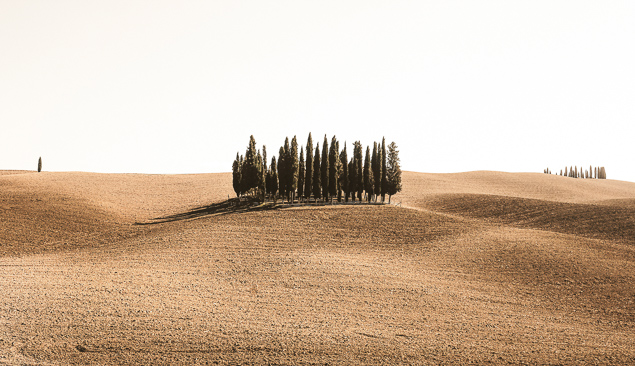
479 267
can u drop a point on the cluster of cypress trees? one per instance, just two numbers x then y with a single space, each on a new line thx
318 174
573 172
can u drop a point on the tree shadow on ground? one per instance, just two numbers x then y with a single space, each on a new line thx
244 205
226 207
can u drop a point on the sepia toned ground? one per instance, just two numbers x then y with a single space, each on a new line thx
478 267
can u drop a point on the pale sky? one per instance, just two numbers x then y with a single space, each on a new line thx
178 86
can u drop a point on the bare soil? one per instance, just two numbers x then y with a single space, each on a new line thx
470 268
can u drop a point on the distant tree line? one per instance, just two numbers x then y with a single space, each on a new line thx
308 173
573 172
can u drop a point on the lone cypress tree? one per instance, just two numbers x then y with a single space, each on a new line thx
39 164
317 186
308 186
344 173
334 167
368 176
236 166
324 176
301 175
384 179
393 171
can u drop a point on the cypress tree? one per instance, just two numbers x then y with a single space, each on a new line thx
317 186
376 164
264 170
334 167
250 173
324 176
243 176
293 166
39 164
352 177
301 175
393 171
236 166
384 179
274 179
368 176
344 173
268 183
359 174
308 186
282 174
260 185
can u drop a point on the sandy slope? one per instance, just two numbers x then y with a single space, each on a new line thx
481 267
420 186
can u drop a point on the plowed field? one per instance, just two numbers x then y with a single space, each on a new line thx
479 267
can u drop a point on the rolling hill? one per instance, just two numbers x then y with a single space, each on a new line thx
477 267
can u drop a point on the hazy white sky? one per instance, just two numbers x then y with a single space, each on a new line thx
178 86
